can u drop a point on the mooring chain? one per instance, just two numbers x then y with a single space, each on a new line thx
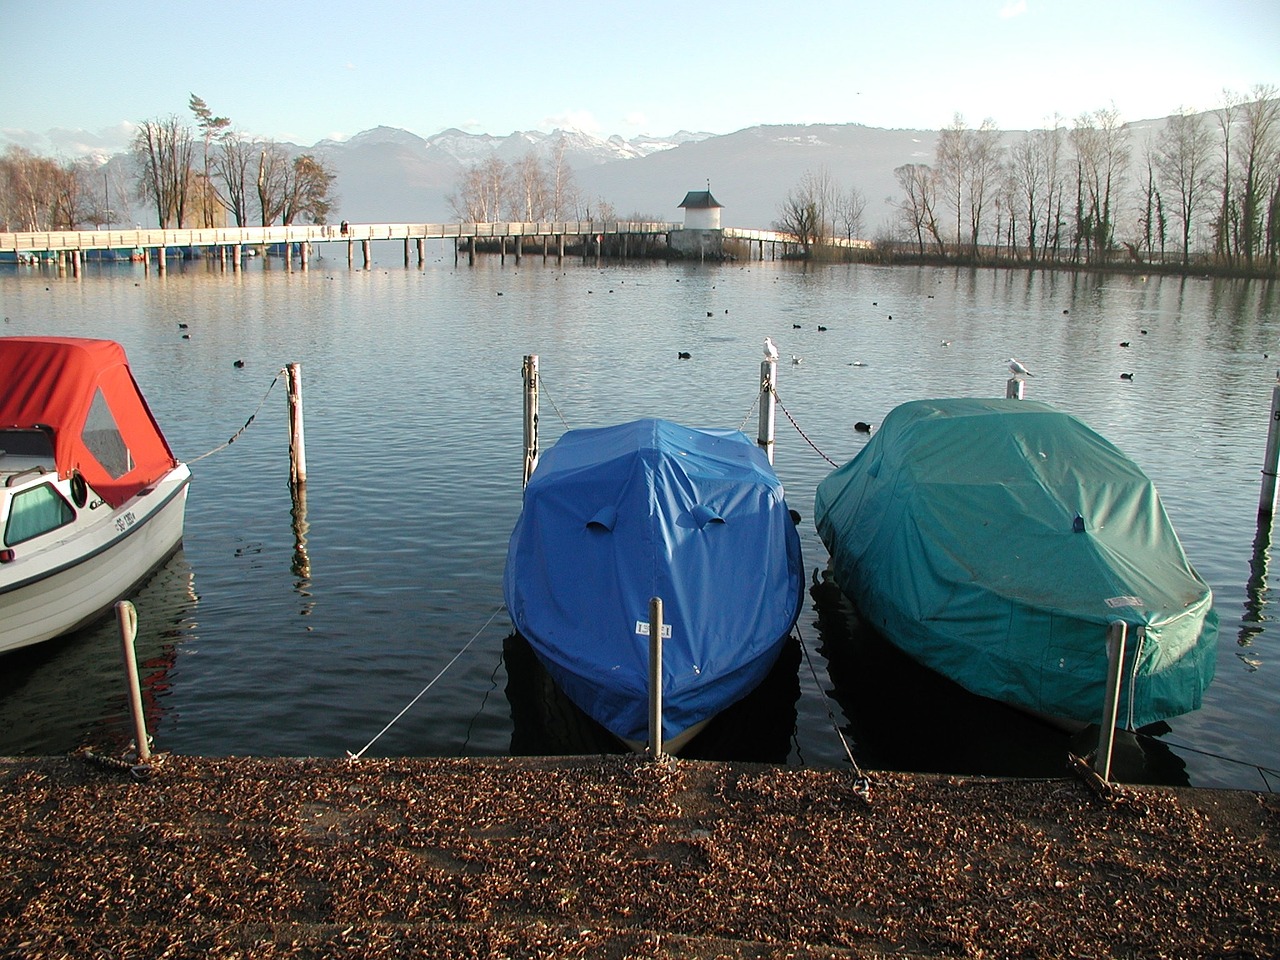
235 436
360 753
774 391
862 782
754 403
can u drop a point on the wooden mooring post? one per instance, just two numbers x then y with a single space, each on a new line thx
127 618
768 380
297 442
655 678
1271 460
1116 632
530 415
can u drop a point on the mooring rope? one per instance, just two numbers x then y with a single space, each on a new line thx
862 783
235 436
774 391
360 753
543 388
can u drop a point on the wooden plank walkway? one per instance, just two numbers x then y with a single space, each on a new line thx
619 857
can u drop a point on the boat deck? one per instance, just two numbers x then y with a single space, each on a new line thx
619 857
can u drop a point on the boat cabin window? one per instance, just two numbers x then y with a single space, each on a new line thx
102 437
36 511
22 449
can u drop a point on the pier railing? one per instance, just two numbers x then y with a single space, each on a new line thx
144 239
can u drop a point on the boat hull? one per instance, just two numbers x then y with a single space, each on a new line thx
56 588
994 541
616 516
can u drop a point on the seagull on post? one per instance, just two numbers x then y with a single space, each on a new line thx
770 351
1018 370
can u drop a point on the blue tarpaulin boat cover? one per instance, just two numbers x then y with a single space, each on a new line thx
994 540
615 516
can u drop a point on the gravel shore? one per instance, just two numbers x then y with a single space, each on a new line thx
617 857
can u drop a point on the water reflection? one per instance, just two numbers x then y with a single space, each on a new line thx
903 716
758 728
84 669
1253 621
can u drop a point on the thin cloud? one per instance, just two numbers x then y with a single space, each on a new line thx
1014 8
582 120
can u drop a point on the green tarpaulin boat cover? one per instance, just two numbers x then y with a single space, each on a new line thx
994 540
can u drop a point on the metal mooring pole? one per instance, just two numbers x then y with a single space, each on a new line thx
1014 388
655 678
127 617
1116 632
297 442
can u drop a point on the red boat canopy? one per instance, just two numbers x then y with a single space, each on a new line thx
83 391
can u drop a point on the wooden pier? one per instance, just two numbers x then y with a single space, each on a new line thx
70 248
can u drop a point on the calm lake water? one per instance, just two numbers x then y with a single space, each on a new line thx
280 632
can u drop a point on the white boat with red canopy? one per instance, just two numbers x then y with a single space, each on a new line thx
91 497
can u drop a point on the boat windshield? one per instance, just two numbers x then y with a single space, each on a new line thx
22 449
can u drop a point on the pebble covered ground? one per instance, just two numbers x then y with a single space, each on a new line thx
618 857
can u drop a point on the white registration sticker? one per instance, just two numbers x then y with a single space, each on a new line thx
642 628
125 521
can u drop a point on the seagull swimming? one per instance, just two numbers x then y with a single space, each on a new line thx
770 351
1018 370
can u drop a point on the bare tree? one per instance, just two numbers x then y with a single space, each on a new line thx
162 150
1226 225
1152 224
984 175
1182 155
481 192
211 128
561 189
849 209
1102 157
949 168
307 191
233 160
528 193
1259 147
919 207
808 210
26 185
273 180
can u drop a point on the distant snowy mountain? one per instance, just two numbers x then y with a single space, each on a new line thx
386 174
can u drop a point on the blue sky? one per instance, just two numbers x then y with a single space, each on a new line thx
82 72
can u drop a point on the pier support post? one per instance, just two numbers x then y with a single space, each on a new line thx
304 253
655 678
364 252
530 415
502 249
519 248
297 442
160 258
421 243
471 252
351 252
236 257
406 251
127 618
1271 460
559 247
1116 631
768 380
